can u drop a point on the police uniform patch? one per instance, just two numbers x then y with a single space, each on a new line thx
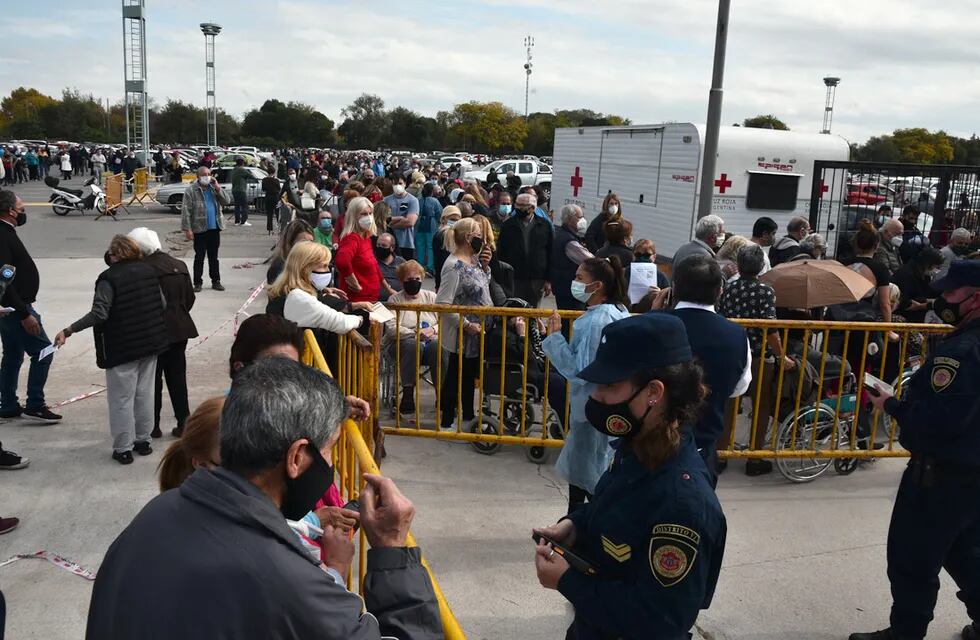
673 550
942 376
619 552
617 425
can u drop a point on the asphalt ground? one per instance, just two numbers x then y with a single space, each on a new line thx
802 561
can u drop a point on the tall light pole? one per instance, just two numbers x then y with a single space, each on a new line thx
528 44
713 127
828 106
210 30
134 75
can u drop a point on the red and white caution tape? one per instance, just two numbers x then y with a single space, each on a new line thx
56 560
80 396
241 311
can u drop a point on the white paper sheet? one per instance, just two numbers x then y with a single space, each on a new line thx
381 314
643 275
47 351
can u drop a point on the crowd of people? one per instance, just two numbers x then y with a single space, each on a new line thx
23 164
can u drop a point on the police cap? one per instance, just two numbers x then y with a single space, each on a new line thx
962 273
636 344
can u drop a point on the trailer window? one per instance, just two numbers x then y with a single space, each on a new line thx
772 191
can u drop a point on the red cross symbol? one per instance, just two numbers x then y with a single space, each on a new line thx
576 182
723 183
823 187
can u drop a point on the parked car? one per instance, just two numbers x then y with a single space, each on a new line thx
869 193
530 172
448 161
172 195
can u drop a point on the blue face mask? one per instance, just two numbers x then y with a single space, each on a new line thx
326 224
505 209
580 291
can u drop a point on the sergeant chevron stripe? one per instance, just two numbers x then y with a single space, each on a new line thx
621 552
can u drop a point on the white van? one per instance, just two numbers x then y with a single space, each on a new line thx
656 172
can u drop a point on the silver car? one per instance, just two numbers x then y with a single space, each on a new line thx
172 195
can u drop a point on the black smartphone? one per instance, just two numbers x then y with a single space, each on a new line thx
353 505
574 560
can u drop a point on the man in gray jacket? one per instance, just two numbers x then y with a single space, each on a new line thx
215 558
202 222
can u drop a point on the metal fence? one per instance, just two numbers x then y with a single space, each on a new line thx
352 457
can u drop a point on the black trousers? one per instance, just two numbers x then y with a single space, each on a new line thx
452 392
271 210
172 363
407 253
207 243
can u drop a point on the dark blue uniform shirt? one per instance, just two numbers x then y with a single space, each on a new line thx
940 415
657 537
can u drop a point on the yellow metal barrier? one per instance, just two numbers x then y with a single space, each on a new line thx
141 187
816 402
352 458
113 187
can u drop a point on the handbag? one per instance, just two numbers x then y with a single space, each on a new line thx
307 202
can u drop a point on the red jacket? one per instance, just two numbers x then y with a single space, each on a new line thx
355 255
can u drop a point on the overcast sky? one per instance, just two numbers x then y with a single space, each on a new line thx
903 63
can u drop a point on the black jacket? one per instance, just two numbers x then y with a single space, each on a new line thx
511 249
135 327
595 235
22 292
224 564
175 283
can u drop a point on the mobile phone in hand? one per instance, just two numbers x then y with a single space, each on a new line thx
574 560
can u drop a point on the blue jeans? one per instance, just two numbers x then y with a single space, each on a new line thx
17 342
241 206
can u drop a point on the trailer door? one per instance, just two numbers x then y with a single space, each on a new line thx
629 164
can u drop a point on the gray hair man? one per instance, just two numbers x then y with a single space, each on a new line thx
202 222
789 245
891 239
957 249
525 243
709 235
278 426
178 293
567 253
388 262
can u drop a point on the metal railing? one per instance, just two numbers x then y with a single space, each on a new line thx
352 457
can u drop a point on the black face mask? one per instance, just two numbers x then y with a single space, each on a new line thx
948 312
382 253
21 219
616 420
412 287
526 213
643 257
107 259
476 244
303 491
959 250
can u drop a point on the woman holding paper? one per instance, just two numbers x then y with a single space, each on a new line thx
294 293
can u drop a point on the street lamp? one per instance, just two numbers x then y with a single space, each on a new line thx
528 44
828 107
210 30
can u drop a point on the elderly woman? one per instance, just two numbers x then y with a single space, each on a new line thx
812 247
728 255
747 297
466 282
294 293
450 215
411 274
360 276
567 253
127 319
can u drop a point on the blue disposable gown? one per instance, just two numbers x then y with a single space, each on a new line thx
586 453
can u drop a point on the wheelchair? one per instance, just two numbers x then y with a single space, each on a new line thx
388 380
502 410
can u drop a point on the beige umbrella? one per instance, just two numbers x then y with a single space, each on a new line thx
807 284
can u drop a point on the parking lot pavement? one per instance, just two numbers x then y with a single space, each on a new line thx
802 561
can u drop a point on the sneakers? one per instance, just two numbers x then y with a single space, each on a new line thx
8 524
142 448
11 461
884 634
44 414
971 632
246 224
177 432
156 433
10 414
123 457
198 287
407 404
754 467
217 286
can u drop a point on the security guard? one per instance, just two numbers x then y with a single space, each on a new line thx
654 535
936 520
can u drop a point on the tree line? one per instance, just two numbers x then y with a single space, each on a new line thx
368 123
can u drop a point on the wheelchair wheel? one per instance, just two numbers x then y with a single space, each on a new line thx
811 422
537 455
845 466
489 427
512 416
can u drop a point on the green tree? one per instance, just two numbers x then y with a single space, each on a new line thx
367 123
488 126
765 122
290 124
878 149
920 146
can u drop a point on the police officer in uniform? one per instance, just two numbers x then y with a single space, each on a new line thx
654 535
936 520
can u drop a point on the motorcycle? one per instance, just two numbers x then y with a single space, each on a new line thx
63 200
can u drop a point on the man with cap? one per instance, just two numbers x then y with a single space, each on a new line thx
654 534
936 520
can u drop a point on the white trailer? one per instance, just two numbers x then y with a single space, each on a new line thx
656 172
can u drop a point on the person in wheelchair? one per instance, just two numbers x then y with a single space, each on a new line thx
600 283
495 350
409 342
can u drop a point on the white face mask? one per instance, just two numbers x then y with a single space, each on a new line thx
320 280
292 177
365 222
204 180
399 190
613 209
897 241
581 226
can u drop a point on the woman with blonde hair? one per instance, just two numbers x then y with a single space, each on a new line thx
465 282
449 217
595 235
360 275
474 190
294 292
728 255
